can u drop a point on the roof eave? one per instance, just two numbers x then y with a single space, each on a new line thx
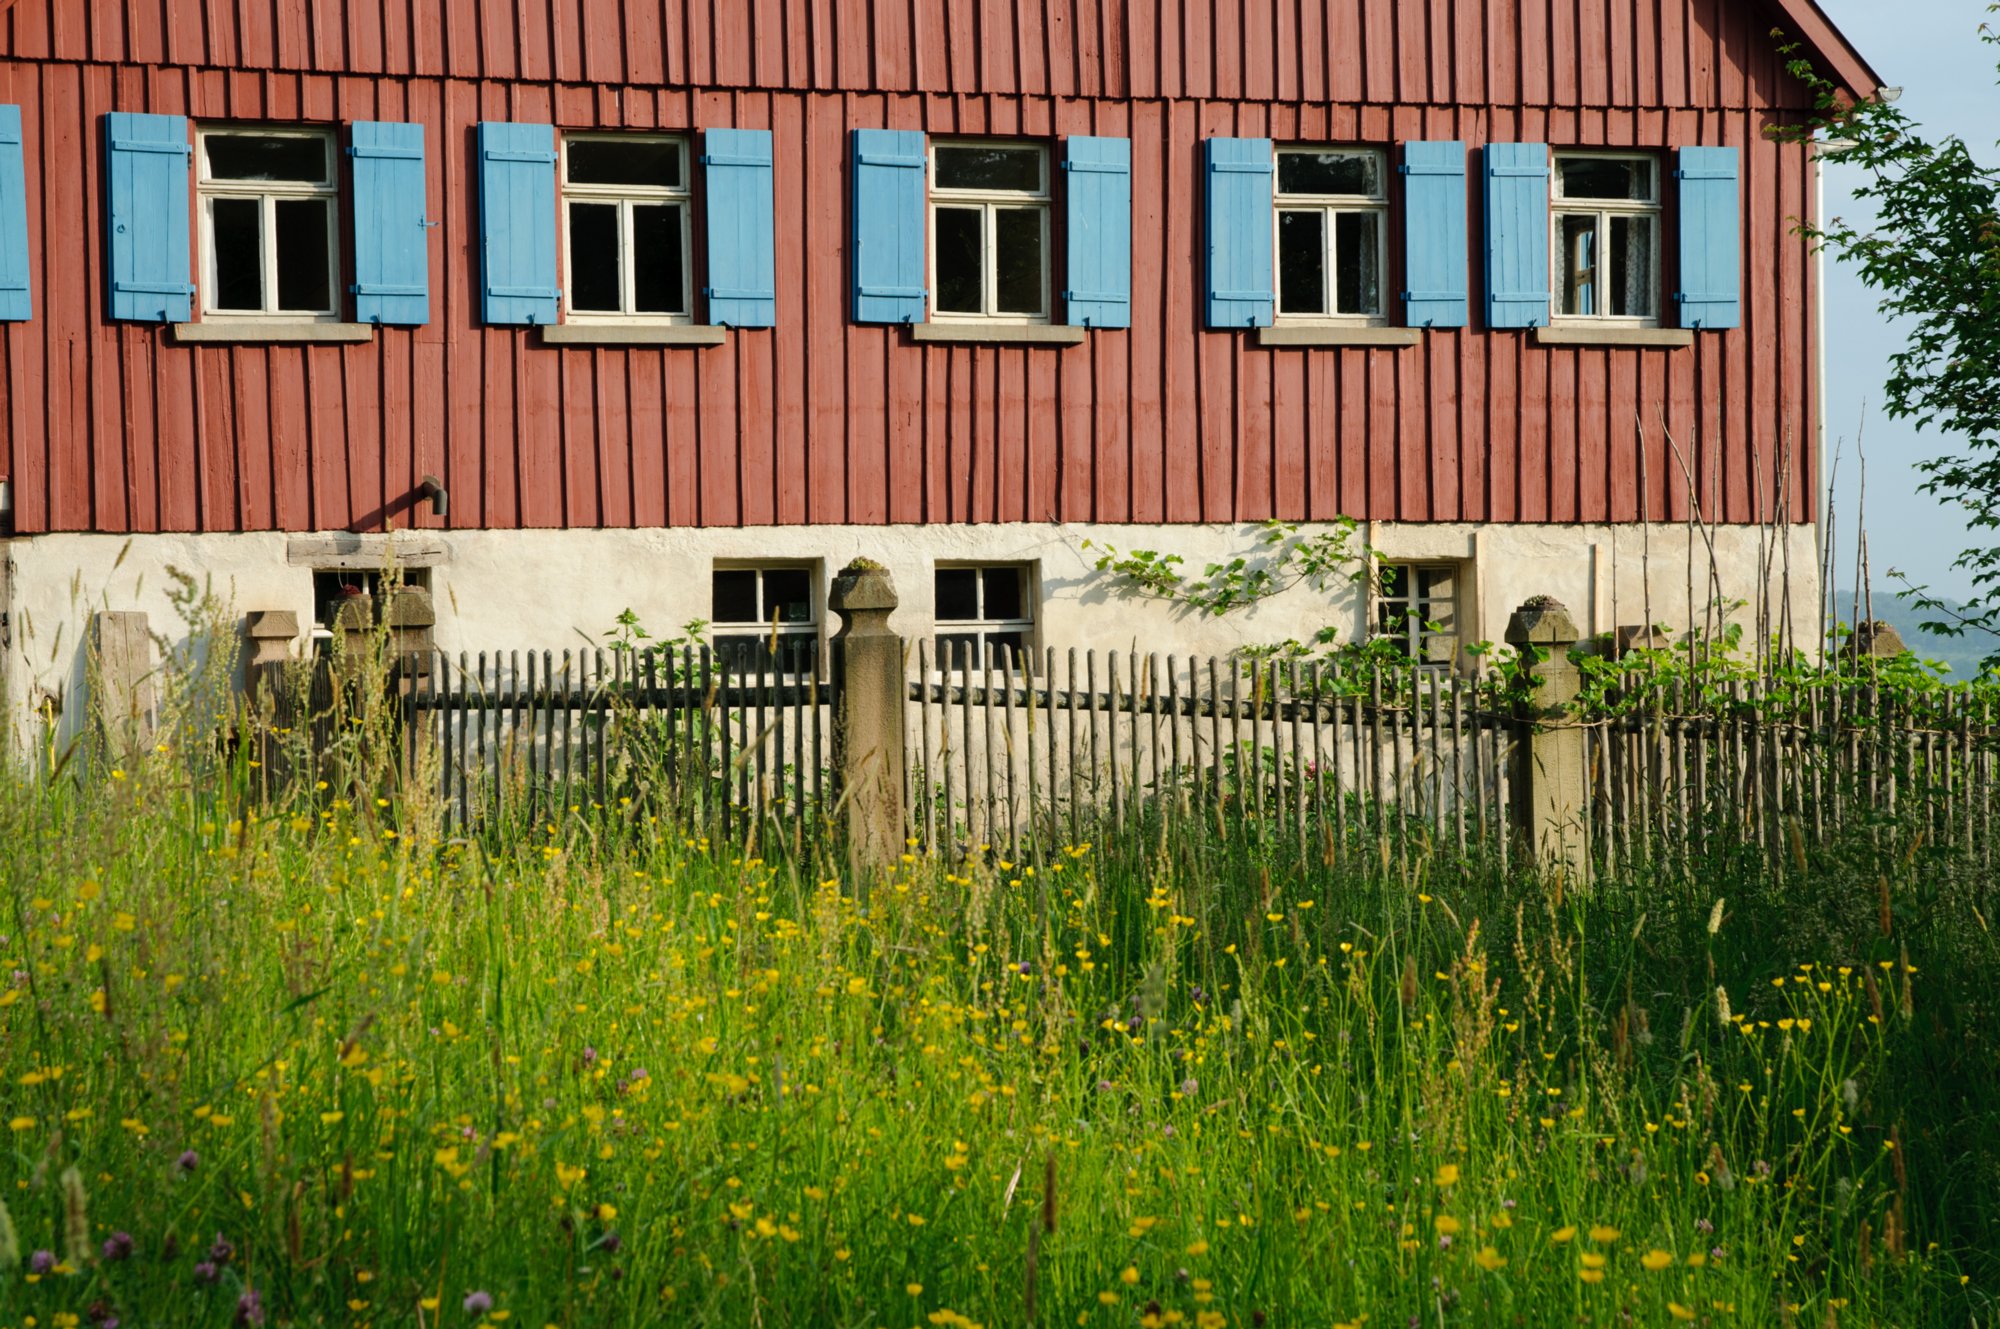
1846 65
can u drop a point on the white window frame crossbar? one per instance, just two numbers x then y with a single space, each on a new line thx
1331 206
980 626
989 202
268 193
625 198
1603 210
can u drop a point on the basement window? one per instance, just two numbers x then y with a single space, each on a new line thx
766 619
990 231
336 588
1416 608
269 245
626 234
984 613
1606 219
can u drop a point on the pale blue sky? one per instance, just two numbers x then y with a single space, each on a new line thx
1931 49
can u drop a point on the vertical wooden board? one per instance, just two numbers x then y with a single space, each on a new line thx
1478 436
644 388
788 383
1400 390
1701 31
1734 44
1561 407
1043 464
1502 74
825 290
956 374
1060 46
1231 41
576 436
215 427
645 49
1029 20
68 107
1598 448
1379 52
1441 402
1290 426
1670 22
376 444
1565 53
1591 54
1093 65
253 502
1536 56
1534 426
1140 438
615 439
364 38
1761 402
568 42
327 433
1797 348
453 344
1197 51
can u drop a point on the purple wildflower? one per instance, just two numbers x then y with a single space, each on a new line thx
1703 1225
250 1308
638 1073
478 1303
207 1272
612 1242
1190 1087
118 1246
589 1055
221 1251
188 1161
41 1262
1025 967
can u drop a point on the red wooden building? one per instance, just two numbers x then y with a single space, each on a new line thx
511 279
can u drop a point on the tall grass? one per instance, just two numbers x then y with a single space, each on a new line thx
307 1063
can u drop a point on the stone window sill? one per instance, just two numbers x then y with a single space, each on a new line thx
634 334
252 332
1019 334
1337 334
1579 335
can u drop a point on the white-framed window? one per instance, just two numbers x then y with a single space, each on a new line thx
985 612
626 214
1332 221
1605 219
268 201
765 617
1416 607
989 241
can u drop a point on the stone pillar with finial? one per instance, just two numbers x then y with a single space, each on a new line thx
869 729
1551 784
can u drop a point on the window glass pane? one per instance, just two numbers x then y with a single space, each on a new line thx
657 285
593 258
610 161
957 594
787 595
1006 648
752 653
1632 265
265 157
960 262
734 596
989 166
1302 262
1607 178
304 281
1576 264
1003 593
956 649
1393 576
1019 260
1434 583
1329 173
1357 263
237 226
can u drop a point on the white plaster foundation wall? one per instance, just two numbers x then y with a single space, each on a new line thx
520 590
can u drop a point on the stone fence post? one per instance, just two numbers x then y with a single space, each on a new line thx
1550 767
868 733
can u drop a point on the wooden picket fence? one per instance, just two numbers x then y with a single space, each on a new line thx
1026 755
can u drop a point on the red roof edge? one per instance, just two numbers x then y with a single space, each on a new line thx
1807 22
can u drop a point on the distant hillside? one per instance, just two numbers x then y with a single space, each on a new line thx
1962 654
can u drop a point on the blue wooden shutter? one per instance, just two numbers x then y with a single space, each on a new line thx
1240 217
742 285
1710 297
146 164
517 222
1434 254
889 226
1098 207
1517 235
15 301
391 256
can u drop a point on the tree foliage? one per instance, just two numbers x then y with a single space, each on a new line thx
1932 251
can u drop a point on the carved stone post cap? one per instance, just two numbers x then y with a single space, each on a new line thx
863 585
410 607
1542 621
271 623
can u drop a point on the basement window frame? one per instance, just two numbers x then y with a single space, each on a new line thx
625 198
1605 213
984 625
1399 595
747 639
1330 208
327 598
989 202
269 194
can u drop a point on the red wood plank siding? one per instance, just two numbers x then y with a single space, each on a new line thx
115 427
